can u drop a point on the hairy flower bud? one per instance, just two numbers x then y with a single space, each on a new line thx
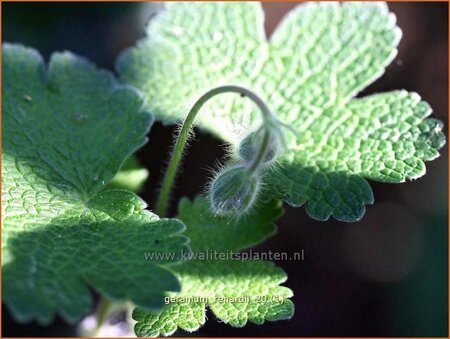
234 191
251 145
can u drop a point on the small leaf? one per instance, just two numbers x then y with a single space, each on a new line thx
237 292
131 176
317 60
67 129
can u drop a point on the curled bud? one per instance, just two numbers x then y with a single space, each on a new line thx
268 138
234 191
249 146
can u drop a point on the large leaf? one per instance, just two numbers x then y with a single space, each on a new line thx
236 291
192 47
318 59
66 131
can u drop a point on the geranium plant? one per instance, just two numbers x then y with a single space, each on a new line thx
297 133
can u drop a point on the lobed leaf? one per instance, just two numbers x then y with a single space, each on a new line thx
309 72
67 129
192 47
237 292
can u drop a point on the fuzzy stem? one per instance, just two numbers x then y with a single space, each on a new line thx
104 310
163 198
261 153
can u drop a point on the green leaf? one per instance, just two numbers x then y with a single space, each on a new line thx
210 279
67 128
318 59
192 47
131 176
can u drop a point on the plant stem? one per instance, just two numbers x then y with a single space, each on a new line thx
104 309
163 198
261 153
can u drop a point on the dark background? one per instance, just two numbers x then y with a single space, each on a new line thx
383 276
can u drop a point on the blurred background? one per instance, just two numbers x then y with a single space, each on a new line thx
383 276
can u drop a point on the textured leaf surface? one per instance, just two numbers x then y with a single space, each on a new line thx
318 59
193 47
210 282
67 129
